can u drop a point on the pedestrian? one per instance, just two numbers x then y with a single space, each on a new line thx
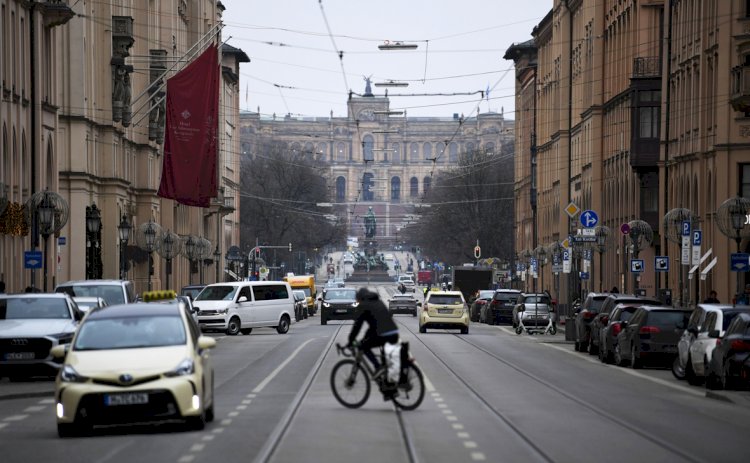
2 287
615 290
711 299
744 298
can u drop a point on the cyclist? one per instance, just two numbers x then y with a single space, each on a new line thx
381 328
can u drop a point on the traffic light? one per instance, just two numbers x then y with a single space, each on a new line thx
257 252
290 247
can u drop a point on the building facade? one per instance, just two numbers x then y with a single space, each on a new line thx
639 113
83 118
373 158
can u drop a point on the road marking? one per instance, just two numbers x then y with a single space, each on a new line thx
241 407
457 426
208 437
232 414
283 364
220 430
470 444
463 435
246 402
506 329
197 447
226 422
34 408
628 371
447 412
250 396
186 458
2 425
428 384
438 399
478 456
16 418
46 401
451 418
435 394
442 406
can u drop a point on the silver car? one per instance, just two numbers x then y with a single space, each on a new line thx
535 309
32 324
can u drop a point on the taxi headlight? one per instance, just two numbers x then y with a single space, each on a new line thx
186 367
325 304
355 304
68 374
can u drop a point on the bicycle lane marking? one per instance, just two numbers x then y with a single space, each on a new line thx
281 366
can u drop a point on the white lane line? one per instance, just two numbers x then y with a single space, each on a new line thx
435 394
232 414
451 418
428 384
2 425
442 406
197 447
220 430
250 396
246 402
630 372
240 407
226 422
457 426
438 399
16 418
478 456
470 444
46 401
208 437
506 329
281 366
447 412
34 408
186 458
463 435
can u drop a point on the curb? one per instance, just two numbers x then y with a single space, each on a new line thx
719 396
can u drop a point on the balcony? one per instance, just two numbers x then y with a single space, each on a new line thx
55 12
646 67
739 96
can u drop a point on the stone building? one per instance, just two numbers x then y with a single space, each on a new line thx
644 134
82 117
376 157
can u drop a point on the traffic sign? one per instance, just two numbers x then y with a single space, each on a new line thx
571 209
685 228
636 265
685 254
61 241
585 275
625 229
589 219
477 252
32 259
584 239
661 263
697 237
740 262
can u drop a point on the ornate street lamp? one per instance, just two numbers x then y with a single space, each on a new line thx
149 238
601 232
527 255
50 212
641 236
541 261
93 226
730 217
204 249
169 248
191 242
123 230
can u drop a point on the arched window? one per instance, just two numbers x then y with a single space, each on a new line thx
453 152
489 147
414 187
427 148
426 185
395 189
341 152
368 143
470 147
340 189
414 152
296 148
440 154
309 150
396 153
367 185
322 154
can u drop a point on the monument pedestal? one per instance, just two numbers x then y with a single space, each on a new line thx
373 270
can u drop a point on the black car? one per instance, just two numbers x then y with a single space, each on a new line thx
338 304
584 316
651 336
500 308
608 334
730 361
485 296
601 319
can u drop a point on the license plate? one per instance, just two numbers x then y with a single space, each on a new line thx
19 356
445 311
113 400
403 308
341 310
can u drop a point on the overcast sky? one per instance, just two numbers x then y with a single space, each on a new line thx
294 50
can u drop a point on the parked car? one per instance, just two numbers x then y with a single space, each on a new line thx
696 347
30 326
608 334
134 363
338 304
112 291
601 319
651 336
85 303
730 360
500 307
403 303
482 299
300 304
238 307
583 317
534 308
444 309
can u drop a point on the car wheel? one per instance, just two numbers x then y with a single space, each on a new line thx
323 320
283 327
635 362
246 330
692 378
465 330
724 378
619 361
67 430
233 327
210 409
422 329
593 350
577 346
677 370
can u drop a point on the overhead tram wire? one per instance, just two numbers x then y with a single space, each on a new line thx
340 53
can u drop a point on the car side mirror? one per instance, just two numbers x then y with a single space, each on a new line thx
60 350
419 304
242 299
713 334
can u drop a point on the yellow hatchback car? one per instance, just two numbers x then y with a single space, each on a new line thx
135 363
444 309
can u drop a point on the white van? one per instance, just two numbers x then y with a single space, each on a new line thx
238 307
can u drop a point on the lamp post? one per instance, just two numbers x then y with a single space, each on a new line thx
217 262
169 248
93 226
541 260
123 230
49 212
601 232
190 252
204 250
641 235
149 239
730 217
46 216
527 260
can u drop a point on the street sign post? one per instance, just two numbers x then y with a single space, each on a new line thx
32 259
566 261
697 238
589 219
625 229
661 263
685 255
636 265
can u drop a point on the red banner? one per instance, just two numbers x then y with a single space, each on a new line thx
190 140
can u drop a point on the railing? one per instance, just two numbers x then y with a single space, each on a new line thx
646 67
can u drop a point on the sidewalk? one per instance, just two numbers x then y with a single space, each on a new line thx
42 387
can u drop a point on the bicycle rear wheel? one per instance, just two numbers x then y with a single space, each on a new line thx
350 383
410 395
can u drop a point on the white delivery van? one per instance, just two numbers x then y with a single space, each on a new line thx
240 306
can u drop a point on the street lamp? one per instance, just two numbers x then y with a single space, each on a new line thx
730 217
123 230
93 226
169 248
190 252
601 232
541 260
149 238
51 212
526 254
641 235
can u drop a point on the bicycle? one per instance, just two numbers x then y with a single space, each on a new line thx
351 377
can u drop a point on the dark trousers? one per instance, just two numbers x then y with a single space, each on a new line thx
369 343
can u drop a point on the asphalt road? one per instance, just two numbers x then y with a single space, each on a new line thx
491 396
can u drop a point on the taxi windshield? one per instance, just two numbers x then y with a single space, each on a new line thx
131 332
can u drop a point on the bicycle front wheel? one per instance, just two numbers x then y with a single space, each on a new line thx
350 383
411 393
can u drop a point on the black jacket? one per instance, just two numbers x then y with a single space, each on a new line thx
372 310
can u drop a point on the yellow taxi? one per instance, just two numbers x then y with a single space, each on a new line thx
135 363
444 309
